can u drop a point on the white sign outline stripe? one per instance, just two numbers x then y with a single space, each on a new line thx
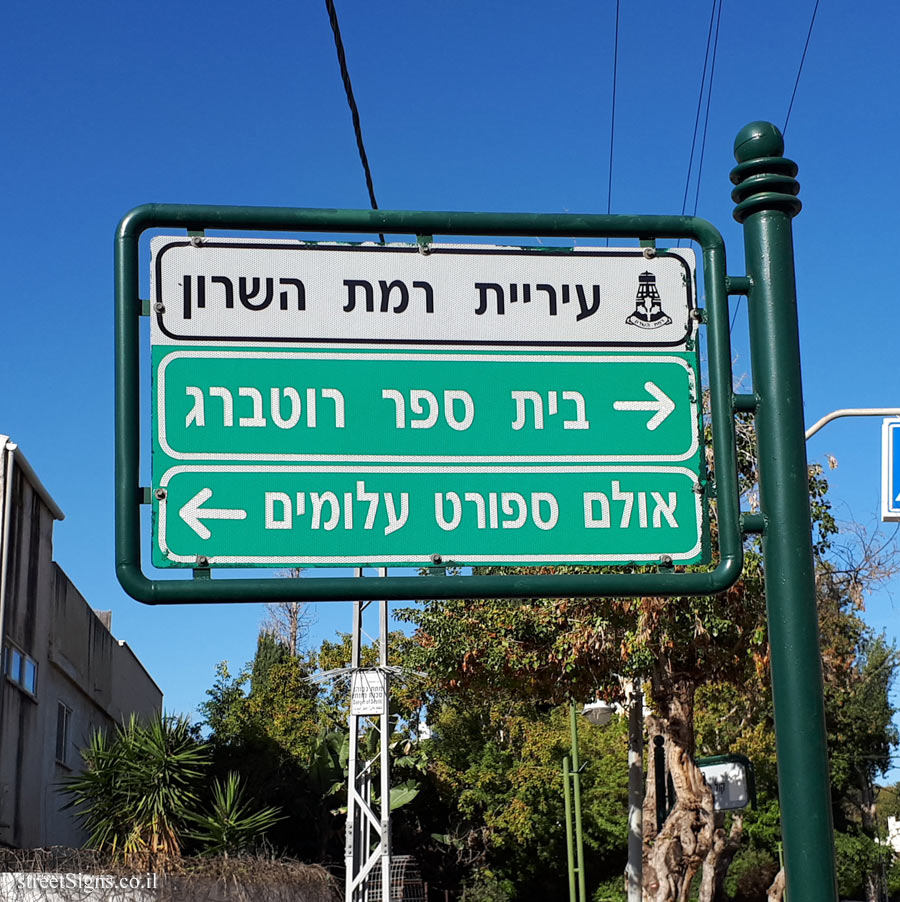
890 506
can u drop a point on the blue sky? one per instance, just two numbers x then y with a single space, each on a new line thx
466 106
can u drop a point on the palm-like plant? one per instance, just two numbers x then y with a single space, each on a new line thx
139 788
231 827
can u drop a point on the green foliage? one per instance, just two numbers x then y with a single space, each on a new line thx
231 827
403 793
496 764
889 802
269 653
860 715
893 881
856 855
750 875
611 890
140 788
328 764
486 886
141 795
265 722
290 739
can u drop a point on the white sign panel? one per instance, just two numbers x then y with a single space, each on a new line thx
728 782
216 289
366 693
890 470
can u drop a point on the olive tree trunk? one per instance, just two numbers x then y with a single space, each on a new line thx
674 855
718 859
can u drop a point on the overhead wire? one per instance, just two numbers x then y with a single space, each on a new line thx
712 75
690 167
612 120
812 22
351 101
787 118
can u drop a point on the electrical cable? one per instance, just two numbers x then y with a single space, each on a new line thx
712 75
787 118
737 307
812 22
687 178
612 122
351 100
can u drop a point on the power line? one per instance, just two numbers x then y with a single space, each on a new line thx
687 180
812 22
787 118
737 307
612 123
712 75
351 100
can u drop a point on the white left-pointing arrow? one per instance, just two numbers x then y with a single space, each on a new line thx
661 407
193 513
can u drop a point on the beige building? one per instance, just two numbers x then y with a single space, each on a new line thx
63 672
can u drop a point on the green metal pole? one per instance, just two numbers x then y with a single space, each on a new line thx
576 794
766 199
570 851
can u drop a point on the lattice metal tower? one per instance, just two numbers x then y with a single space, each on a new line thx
367 849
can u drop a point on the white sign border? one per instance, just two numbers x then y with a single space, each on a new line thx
890 507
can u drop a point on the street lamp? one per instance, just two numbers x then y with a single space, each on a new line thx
599 713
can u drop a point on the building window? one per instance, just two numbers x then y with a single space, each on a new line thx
21 669
29 675
63 716
15 665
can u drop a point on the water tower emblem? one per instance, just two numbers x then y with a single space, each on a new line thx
648 312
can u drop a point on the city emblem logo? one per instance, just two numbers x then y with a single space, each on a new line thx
648 312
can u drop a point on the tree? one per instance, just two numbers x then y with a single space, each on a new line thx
231 827
288 621
140 788
264 722
493 809
144 793
554 648
289 735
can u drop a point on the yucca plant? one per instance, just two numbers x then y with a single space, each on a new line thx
139 789
231 827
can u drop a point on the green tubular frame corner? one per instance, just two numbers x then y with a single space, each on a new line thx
284 219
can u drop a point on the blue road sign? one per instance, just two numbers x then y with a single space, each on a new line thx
890 469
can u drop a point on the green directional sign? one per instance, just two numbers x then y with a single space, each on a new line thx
281 515
313 407
429 407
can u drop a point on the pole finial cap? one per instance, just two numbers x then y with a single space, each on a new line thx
758 139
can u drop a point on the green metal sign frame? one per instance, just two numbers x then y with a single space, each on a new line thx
130 495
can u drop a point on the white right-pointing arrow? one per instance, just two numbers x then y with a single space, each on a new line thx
193 513
662 406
